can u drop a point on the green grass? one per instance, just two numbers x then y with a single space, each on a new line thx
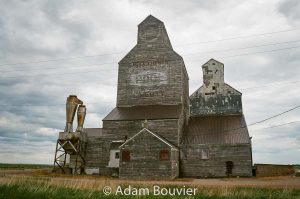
24 166
43 190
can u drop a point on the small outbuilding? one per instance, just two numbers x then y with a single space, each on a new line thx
148 155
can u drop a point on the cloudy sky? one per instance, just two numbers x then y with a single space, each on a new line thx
50 49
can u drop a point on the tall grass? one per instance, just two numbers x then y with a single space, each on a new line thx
34 187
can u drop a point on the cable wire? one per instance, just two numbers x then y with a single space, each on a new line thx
267 51
105 54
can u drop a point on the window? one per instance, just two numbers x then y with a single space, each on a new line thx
117 155
164 155
204 154
214 88
126 156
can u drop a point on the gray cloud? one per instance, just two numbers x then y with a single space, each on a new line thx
290 9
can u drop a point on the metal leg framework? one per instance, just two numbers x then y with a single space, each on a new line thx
73 148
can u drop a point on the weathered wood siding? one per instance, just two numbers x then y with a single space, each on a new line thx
152 72
98 147
95 151
145 160
192 164
166 128
150 82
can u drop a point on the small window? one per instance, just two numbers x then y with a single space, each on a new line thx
164 155
214 88
204 154
117 155
126 156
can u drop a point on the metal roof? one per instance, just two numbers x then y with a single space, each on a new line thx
217 130
145 112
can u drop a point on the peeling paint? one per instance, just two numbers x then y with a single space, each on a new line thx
215 97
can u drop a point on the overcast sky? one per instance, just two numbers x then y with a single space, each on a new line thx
258 41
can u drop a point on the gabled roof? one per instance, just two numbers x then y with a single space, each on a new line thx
150 19
198 90
144 130
145 112
211 61
217 130
233 88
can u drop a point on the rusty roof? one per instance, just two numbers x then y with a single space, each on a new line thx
217 130
145 112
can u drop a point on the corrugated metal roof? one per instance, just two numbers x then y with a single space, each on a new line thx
217 130
93 132
145 112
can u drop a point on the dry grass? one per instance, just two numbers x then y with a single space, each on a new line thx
43 181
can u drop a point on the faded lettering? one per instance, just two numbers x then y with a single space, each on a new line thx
148 78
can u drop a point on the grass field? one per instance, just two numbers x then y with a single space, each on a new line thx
35 186
24 166
37 191
40 183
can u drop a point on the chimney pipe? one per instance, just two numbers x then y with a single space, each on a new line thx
71 106
81 112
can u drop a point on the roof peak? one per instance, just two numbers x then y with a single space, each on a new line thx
153 134
212 59
150 18
152 31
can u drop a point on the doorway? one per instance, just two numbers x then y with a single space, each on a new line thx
229 168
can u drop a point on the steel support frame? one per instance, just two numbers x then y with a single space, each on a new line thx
78 148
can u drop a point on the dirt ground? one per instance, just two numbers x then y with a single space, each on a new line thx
261 182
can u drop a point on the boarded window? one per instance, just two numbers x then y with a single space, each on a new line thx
164 155
204 154
126 156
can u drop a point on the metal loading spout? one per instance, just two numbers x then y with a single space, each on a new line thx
81 112
71 106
